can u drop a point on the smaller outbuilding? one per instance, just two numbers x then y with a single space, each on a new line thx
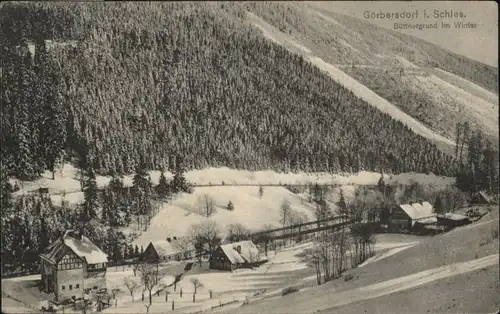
451 220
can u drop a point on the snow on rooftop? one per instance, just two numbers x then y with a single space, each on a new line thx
248 251
84 248
454 216
165 248
418 211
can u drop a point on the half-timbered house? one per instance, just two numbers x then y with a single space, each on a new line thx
72 265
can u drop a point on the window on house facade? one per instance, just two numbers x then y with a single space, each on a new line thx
70 287
63 287
95 287
77 286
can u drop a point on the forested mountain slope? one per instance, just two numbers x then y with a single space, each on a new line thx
402 69
128 84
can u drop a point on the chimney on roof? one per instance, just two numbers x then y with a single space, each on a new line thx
238 249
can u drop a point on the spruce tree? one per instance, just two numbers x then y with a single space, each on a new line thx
438 206
141 196
44 235
341 204
25 153
106 207
163 188
52 118
130 249
489 171
91 198
179 183
6 190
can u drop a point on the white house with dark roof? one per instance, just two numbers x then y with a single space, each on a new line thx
72 265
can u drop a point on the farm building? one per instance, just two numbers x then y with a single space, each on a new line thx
172 250
72 265
235 255
480 198
405 216
451 220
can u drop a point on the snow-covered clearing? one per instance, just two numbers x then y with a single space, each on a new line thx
375 100
66 184
467 85
225 286
484 111
249 210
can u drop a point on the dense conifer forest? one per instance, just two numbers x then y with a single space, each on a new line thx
141 84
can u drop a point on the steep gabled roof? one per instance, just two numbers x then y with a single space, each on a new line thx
82 247
166 248
417 211
248 252
55 251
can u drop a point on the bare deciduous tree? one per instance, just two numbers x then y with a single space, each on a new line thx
206 232
264 237
131 285
183 244
205 205
196 284
150 278
285 211
237 232
313 254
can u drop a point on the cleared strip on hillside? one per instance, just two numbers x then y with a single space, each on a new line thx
375 100
349 83
466 85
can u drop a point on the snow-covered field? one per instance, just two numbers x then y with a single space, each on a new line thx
225 286
249 210
285 268
175 218
67 179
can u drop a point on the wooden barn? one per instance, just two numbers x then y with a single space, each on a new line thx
72 265
405 216
165 251
235 255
